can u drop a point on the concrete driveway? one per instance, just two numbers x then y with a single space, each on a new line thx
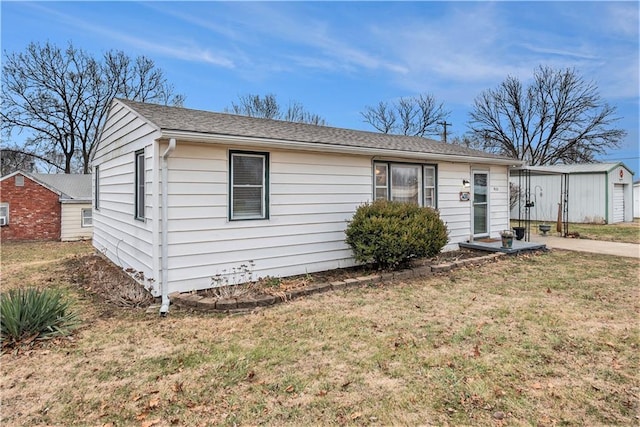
631 250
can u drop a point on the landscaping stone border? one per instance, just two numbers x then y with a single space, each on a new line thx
194 301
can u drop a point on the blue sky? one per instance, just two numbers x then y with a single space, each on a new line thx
338 57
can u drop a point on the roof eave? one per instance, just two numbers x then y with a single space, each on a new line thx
323 147
78 201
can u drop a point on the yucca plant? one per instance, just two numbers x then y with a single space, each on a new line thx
34 314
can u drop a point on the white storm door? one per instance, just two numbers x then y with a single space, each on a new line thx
480 211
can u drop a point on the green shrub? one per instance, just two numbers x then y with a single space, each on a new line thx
389 234
34 314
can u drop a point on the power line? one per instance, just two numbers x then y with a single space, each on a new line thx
620 158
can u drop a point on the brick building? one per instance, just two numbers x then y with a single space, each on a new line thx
45 207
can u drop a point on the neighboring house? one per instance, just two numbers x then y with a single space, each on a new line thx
636 199
182 195
37 206
597 192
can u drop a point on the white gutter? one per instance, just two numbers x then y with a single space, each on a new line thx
164 308
325 147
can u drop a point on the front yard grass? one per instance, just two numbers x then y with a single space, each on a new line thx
626 232
545 339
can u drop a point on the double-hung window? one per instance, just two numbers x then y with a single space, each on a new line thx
429 180
249 185
405 182
87 217
139 185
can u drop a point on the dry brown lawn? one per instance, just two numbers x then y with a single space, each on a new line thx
546 339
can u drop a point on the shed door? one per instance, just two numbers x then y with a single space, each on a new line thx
618 203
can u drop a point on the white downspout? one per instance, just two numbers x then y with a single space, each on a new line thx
164 261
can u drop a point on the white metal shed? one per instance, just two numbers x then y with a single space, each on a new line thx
636 199
596 192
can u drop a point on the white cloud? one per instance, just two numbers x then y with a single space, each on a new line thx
555 51
188 51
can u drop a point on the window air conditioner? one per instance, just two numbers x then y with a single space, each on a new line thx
3 220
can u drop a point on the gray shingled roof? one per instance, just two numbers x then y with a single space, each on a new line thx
206 122
71 186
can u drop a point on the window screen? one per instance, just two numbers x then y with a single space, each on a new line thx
248 185
87 218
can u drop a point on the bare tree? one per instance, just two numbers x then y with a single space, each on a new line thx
514 195
471 140
558 118
267 107
15 160
60 98
414 115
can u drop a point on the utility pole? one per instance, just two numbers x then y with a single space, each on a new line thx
444 125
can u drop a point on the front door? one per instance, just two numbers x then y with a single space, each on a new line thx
480 214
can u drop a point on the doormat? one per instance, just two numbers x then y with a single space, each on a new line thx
487 240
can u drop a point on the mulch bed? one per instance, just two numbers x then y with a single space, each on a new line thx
107 282
285 288
102 279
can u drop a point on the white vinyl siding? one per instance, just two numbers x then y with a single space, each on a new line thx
127 242
498 200
311 198
455 213
72 227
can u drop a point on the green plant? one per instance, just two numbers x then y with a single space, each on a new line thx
389 234
34 314
271 282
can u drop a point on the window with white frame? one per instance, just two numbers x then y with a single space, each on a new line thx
4 214
381 181
87 217
429 179
249 185
405 182
140 182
